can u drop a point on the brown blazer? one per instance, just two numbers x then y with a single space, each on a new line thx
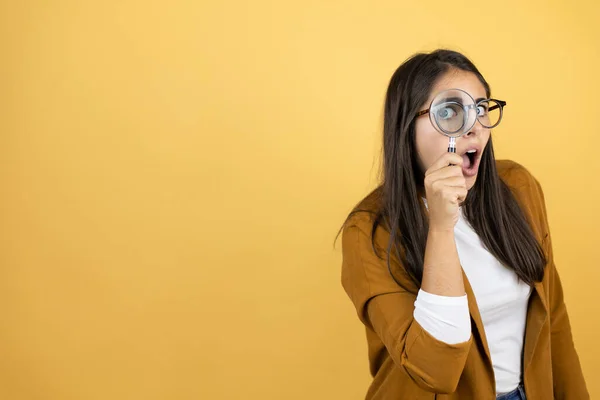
408 363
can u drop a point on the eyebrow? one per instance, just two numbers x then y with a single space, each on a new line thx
459 99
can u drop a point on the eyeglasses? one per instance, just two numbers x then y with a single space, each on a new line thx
454 112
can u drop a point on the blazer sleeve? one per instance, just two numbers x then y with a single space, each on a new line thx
386 307
569 383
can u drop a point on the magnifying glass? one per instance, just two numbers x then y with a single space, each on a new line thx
453 113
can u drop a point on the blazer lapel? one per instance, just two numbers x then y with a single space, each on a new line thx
479 330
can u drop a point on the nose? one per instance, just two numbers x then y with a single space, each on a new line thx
476 129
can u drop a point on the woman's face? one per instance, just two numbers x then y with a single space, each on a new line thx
431 144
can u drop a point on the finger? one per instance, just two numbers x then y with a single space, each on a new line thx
444 160
455 195
444 173
454 181
448 187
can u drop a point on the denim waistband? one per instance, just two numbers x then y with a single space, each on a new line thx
517 394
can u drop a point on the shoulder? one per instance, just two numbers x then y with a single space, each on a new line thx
365 213
518 178
514 174
522 183
366 218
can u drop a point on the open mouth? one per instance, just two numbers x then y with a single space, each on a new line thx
471 157
471 162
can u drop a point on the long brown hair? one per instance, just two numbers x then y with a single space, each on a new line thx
490 206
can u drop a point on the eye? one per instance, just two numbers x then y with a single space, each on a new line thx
447 112
482 109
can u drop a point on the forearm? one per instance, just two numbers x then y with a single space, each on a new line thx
442 273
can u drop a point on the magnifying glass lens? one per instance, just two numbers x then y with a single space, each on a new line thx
450 117
453 112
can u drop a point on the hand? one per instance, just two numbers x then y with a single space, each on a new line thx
445 189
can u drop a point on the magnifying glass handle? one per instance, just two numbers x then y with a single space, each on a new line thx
452 147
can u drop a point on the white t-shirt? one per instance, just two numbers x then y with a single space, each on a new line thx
502 300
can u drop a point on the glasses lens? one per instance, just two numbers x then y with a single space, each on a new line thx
489 113
450 116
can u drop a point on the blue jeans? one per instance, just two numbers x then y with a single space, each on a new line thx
517 394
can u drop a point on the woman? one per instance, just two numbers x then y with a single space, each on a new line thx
449 261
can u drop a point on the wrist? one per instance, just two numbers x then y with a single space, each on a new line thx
433 230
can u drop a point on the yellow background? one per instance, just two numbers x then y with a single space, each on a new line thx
173 175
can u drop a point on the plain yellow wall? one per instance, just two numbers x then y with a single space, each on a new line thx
173 175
